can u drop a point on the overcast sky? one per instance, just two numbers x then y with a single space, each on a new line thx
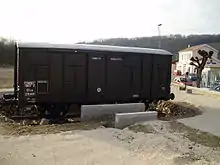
69 21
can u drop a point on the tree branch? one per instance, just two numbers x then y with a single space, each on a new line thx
210 54
191 63
205 56
203 53
196 59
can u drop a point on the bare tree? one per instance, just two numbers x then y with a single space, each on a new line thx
199 63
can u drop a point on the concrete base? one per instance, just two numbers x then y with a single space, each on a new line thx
188 90
123 120
96 111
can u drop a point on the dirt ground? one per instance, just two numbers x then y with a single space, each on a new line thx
97 143
155 142
6 77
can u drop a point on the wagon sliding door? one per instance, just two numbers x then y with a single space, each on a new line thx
147 62
131 77
123 77
74 77
115 78
96 77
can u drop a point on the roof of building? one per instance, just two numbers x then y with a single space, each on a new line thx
215 45
196 47
94 47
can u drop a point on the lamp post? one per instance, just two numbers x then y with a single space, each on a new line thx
159 42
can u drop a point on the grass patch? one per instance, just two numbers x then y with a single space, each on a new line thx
19 130
32 127
6 77
196 135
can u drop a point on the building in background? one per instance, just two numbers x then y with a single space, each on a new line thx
211 74
192 51
216 45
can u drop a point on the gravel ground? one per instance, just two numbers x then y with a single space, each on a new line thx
6 77
94 143
156 142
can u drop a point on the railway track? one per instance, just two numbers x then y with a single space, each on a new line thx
10 111
33 119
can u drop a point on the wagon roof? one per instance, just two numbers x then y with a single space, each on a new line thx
94 47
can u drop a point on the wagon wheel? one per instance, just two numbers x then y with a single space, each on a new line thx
74 110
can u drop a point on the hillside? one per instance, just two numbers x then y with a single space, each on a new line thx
172 43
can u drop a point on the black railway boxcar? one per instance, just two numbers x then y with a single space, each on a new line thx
62 75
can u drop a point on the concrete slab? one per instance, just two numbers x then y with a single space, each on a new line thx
95 111
188 90
123 120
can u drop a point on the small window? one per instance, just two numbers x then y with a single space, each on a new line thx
42 87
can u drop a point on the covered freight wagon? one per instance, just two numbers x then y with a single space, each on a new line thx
54 75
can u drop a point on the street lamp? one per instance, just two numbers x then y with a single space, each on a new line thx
159 42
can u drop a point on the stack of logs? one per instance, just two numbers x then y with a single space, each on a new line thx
169 109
